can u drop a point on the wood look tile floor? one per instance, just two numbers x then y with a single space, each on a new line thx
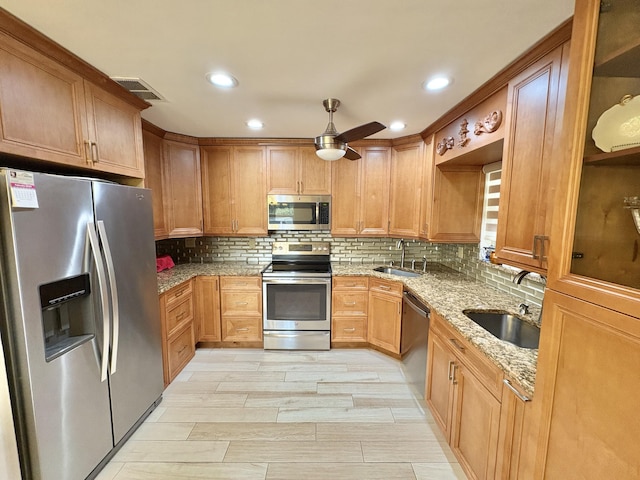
241 414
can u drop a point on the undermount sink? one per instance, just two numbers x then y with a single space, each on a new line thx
507 327
396 271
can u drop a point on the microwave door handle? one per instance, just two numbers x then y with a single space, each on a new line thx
114 294
102 283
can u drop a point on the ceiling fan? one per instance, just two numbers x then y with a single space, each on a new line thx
332 146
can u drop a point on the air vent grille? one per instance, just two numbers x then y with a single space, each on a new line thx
139 88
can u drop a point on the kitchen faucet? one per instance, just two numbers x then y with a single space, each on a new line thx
518 278
401 245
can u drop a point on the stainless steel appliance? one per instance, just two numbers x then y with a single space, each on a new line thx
413 342
296 297
79 318
299 212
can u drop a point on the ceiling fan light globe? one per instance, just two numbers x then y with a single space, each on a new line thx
330 154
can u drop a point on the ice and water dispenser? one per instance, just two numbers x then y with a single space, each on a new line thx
67 318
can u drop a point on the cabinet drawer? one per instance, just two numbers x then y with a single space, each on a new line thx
241 328
178 314
241 303
385 286
180 350
350 304
349 329
178 293
241 283
350 283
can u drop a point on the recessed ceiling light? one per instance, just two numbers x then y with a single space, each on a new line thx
222 80
437 83
397 126
255 124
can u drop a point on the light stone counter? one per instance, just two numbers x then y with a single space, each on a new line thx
446 293
181 273
451 293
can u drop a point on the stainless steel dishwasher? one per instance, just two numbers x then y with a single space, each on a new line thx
413 342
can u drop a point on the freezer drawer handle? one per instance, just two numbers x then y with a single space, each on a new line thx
102 282
115 310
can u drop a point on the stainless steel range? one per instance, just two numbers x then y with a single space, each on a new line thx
296 297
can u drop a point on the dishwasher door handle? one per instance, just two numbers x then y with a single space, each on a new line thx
410 300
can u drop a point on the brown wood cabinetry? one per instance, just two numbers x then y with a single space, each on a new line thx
50 113
154 179
297 171
385 315
456 204
178 335
463 392
360 194
241 310
349 310
406 189
234 190
530 163
183 189
589 381
207 305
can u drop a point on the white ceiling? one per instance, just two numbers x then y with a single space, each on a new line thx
289 55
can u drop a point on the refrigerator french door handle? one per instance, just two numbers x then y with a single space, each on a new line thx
104 300
115 310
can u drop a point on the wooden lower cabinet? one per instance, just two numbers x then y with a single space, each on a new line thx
349 310
241 310
385 315
589 382
178 335
207 302
461 393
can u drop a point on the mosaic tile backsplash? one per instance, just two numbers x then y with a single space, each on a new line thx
461 257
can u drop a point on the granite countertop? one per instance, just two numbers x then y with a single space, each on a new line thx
445 291
449 293
168 279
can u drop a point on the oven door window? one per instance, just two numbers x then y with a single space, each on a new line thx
297 302
299 213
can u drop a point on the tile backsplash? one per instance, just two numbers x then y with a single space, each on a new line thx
461 257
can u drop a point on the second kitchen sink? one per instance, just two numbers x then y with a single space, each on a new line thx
396 271
507 327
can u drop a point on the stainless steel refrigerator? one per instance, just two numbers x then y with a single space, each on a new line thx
79 318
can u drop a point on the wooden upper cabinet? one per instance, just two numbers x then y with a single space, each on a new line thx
297 171
154 168
234 190
50 113
42 107
406 190
114 133
184 193
360 199
427 187
456 210
535 100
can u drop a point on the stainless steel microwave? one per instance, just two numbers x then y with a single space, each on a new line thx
299 212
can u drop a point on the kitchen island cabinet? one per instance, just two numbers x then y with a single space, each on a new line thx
360 194
234 190
51 113
297 171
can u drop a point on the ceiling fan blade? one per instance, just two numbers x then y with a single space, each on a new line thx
360 132
351 154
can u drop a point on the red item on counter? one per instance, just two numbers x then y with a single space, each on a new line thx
164 262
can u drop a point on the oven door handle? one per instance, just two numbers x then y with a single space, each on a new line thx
296 281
